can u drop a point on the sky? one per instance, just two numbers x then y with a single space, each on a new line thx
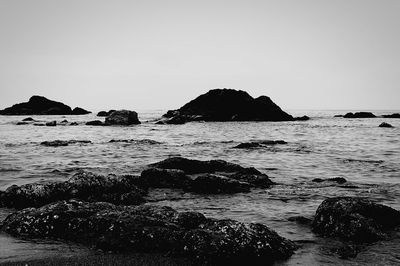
308 54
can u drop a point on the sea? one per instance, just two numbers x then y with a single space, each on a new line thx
367 156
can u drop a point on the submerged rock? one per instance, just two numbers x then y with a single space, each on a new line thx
57 143
396 115
227 105
355 219
164 178
359 115
216 184
94 123
258 144
38 105
136 141
80 111
122 117
22 123
51 124
384 124
339 180
151 229
84 185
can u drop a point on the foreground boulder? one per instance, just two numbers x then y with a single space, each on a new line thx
214 176
39 105
122 117
384 124
359 115
151 229
354 219
227 105
84 185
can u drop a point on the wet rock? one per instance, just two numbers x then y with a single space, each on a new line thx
259 144
302 118
39 124
84 185
136 141
73 124
57 143
339 180
64 121
30 119
94 123
38 105
22 123
149 228
300 220
396 115
217 184
79 111
227 105
355 219
347 251
105 113
359 115
51 124
164 178
338 115
384 124
122 117
233 171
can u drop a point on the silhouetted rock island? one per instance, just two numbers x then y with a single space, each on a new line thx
359 115
227 105
39 105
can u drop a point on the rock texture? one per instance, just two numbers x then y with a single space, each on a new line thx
354 219
151 229
227 105
39 105
84 185
384 124
122 117
359 115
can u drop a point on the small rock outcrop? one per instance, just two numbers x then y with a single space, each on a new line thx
94 123
226 105
355 219
80 111
338 180
84 186
51 124
149 228
258 144
28 119
359 115
105 113
58 143
384 124
122 117
396 115
302 118
39 105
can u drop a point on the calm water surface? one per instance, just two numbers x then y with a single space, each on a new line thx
323 147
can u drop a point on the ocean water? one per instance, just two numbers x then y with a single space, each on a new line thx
323 147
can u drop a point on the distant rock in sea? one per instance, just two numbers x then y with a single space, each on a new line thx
359 115
94 123
384 124
80 111
396 115
58 143
105 113
122 117
259 144
227 105
39 105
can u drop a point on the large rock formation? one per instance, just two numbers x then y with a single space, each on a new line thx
354 219
39 105
151 229
359 115
84 185
227 105
79 111
122 117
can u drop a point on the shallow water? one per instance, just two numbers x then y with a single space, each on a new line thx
323 147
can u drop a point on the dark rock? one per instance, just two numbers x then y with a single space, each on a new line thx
73 124
105 113
38 105
22 123
164 178
151 229
359 115
217 184
227 105
347 251
338 115
84 185
384 124
354 219
122 117
80 111
39 124
28 119
94 123
64 121
136 141
300 220
51 124
396 115
302 118
259 144
339 180
57 143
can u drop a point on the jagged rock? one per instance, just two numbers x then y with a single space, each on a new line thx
258 144
51 124
38 105
94 123
216 184
149 228
384 124
122 117
80 111
396 115
227 105
339 180
84 185
359 115
57 143
355 219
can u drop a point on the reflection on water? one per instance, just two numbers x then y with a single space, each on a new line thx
324 147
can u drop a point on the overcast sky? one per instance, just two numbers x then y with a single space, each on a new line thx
304 54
